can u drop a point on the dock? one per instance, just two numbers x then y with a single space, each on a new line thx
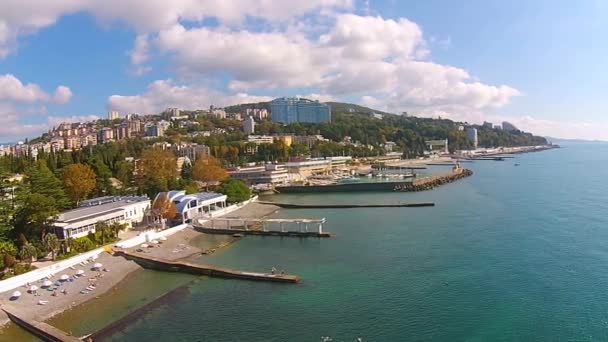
263 226
347 206
43 331
206 270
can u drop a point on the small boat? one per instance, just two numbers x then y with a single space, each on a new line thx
237 235
43 302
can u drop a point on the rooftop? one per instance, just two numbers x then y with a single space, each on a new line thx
92 210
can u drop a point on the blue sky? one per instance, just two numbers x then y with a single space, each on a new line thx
539 64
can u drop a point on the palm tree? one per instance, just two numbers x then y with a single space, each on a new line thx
51 243
27 253
117 228
103 228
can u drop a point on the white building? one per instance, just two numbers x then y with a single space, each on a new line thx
113 115
264 174
194 206
79 222
472 135
173 111
249 125
260 139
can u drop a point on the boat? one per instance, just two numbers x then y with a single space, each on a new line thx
43 302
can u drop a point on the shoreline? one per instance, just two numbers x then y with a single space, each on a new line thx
184 244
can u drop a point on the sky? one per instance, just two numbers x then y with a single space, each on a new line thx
540 65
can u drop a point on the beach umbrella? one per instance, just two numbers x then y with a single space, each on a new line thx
97 265
47 283
154 242
64 277
33 288
144 245
80 272
16 294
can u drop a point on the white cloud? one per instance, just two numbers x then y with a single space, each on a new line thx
57 120
21 17
162 94
139 54
11 127
62 95
13 90
18 101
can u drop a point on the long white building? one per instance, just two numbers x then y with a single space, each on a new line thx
79 222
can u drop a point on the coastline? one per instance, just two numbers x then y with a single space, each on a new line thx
188 242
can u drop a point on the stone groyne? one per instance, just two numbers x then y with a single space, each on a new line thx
41 330
206 270
429 183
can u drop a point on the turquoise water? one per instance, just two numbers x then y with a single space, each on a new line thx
514 253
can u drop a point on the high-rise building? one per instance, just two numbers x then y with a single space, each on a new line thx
472 135
113 115
507 126
294 109
173 111
249 125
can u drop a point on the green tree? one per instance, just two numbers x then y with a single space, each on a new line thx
78 181
27 253
103 228
35 216
235 190
43 182
156 168
51 243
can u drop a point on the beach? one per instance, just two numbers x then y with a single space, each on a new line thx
183 244
27 305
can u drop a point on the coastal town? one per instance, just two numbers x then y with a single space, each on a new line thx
132 190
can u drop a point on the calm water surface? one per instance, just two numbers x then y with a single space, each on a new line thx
514 253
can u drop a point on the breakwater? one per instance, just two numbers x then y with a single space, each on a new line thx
123 323
41 330
345 206
348 187
429 183
202 269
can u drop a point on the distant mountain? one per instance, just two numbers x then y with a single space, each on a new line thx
574 141
342 107
336 107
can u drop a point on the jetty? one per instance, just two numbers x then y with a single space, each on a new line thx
345 206
202 269
429 183
263 227
43 331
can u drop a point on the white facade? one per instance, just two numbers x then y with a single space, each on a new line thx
113 115
79 222
249 125
190 207
472 135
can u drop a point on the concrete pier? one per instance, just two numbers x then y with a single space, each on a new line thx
263 227
345 206
41 330
202 269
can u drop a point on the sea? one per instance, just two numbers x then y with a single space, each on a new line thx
517 252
